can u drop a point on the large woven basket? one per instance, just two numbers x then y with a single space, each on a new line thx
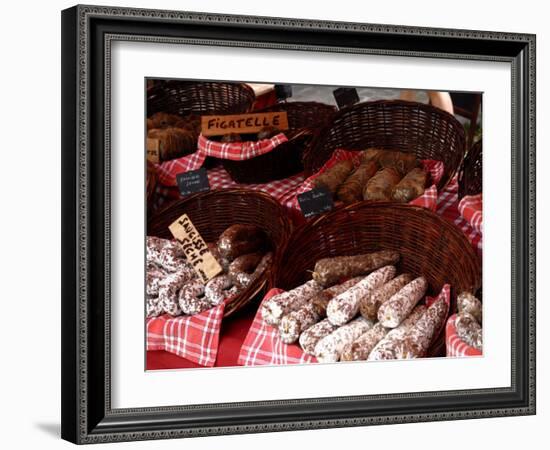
214 211
470 178
150 188
199 97
425 130
429 246
304 119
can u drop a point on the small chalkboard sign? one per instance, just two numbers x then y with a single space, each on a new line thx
345 97
316 201
283 91
193 181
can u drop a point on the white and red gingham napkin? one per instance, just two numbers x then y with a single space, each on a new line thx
427 200
471 208
194 337
447 207
235 151
455 346
262 345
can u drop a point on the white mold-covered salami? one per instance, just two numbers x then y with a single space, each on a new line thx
399 306
192 299
469 330
310 337
292 324
169 287
360 349
155 274
215 290
385 349
153 307
344 307
329 349
370 304
468 303
420 336
279 305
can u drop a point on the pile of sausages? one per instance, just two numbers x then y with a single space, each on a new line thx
468 320
375 314
173 286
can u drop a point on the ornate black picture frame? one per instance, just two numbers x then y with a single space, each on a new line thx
87 33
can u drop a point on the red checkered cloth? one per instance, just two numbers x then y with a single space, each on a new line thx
427 200
471 208
455 346
447 207
192 337
235 151
218 178
262 345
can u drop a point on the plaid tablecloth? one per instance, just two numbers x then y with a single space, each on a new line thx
262 345
471 208
455 346
427 200
192 337
236 151
447 207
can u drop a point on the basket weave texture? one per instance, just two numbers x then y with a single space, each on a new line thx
150 187
429 245
470 178
192 97
427 131
214 211
304 120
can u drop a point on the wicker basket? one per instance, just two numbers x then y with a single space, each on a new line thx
470 178
150 188
304 119
428 244
197 97
214 211
429 132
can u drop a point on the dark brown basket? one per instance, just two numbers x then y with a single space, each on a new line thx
429 246
199 97
214 211
470 178
150 187
304 119
425 130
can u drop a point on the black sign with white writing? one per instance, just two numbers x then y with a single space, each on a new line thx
193 181
345 97
316 201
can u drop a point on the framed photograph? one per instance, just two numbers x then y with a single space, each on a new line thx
282 224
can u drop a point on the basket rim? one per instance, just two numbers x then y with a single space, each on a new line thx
375 103
262 282
356 207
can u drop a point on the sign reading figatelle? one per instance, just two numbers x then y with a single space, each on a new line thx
242 123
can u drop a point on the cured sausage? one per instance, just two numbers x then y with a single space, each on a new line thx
292 324
240 239
332 178
329 271
410 187
351 190
192 299
399 306
344 307
385 349
360 349
329 348
279 305
370 304
469 330
310 337
418 339
466 302
380 186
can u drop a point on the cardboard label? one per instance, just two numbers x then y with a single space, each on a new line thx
314 202
193 181
242 123
195 249
345 97
153 150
